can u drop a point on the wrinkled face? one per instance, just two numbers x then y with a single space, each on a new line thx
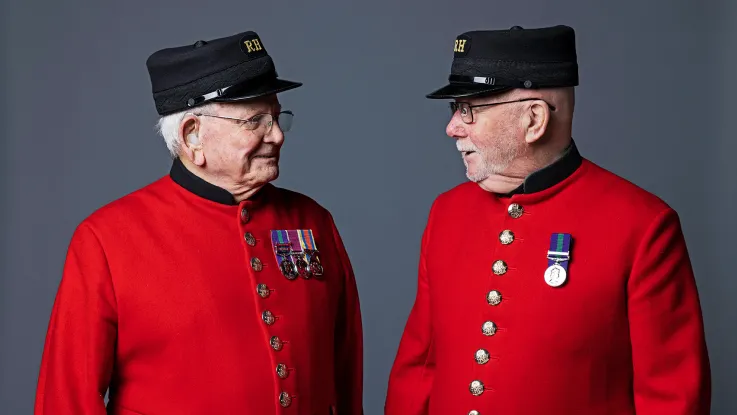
243 152
492 141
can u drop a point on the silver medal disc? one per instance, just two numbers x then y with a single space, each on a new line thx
555 275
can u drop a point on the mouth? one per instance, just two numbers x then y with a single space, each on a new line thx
467 153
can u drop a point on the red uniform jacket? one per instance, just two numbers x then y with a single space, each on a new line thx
487 335
161 300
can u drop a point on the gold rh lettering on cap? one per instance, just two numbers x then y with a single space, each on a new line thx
460 45
253 45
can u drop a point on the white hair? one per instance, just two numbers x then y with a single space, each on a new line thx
168 127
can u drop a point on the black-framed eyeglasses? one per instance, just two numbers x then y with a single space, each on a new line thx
260 121
466 109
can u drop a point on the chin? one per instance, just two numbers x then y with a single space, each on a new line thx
271 173
475 175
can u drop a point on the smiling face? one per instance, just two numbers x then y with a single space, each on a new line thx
241 149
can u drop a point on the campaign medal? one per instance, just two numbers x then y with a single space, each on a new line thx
559 256
298 254
313 255
282 252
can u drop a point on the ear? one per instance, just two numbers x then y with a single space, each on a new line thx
536 120
190 141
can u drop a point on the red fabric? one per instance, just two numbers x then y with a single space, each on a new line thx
159 301
623 336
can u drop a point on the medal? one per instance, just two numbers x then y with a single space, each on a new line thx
298 255
311 252
282 252
555 275
315 264
558 257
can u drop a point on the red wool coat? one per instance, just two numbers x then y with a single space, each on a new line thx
162 300
487 335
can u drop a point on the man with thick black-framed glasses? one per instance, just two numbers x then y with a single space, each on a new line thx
547 285
209 291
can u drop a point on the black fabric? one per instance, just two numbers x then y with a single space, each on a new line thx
181 75
191 182
551 175
525 58
252 90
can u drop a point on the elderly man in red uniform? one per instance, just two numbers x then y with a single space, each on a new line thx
209 291
547 285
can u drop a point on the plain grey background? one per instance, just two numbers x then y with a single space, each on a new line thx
656 106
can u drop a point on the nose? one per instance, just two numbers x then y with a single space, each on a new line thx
275 136
456 128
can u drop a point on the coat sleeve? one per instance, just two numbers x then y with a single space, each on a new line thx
348 339
77 359
670 361
411 376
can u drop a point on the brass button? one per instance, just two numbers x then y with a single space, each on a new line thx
506 237
482 357
474 412
256 264
489 328
281 371
268 317
263 290
476 388
515 210
245 216
250 239
276 343
494 297
499 267
285 400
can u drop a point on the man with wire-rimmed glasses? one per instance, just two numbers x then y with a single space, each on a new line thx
547 284
209 291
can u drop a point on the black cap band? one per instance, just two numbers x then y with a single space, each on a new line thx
492 80
220 92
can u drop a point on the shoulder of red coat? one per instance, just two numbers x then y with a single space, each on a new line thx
124 207
300 201
619 193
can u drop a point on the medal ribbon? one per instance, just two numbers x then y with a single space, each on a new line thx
307 241
560 250
295 242
279 237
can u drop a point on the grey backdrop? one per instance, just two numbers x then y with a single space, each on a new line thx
656 105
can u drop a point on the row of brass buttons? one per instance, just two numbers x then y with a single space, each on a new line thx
285 399
494 298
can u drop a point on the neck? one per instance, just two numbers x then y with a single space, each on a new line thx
533 160
240 191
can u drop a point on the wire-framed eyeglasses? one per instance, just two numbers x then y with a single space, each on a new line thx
260 121
466 109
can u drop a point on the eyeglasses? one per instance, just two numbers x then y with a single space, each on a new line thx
467 113
260 121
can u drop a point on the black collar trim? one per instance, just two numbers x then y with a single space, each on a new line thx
551 175
188 180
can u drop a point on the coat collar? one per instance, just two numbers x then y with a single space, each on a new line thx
188 180
550 175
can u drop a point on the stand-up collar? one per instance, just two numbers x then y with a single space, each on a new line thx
188 180
550 175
